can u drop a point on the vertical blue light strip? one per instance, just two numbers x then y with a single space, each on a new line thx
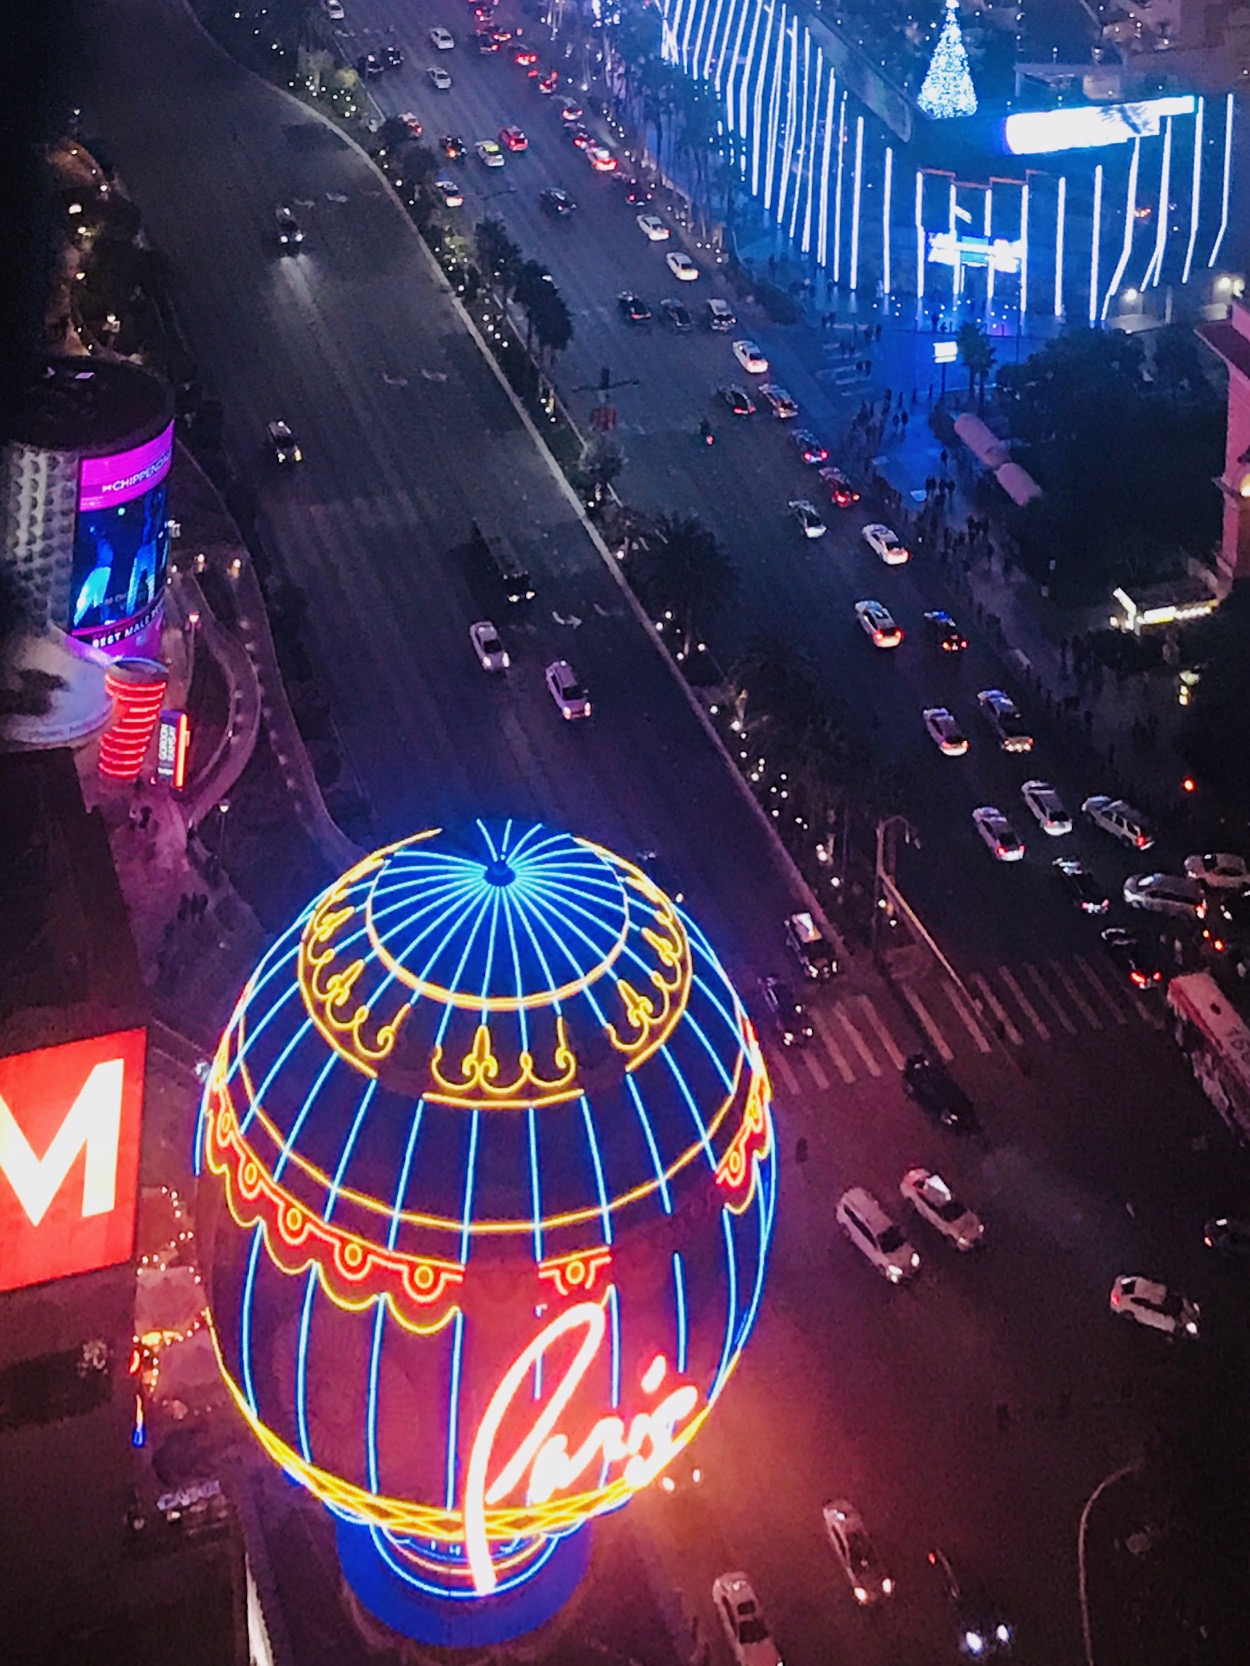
1024 247
886 281
919 235
822 222
469 1175
1150 278
1195 191
535 1194
1130 220
744 84
614 1316
855 199
731 1304
756 128
989 223
1095 245
774 113
837 197
787 148
371 1410
245 1320
453 1408
732 79
679 1295
809 156
1228 167
1060 223
301 1367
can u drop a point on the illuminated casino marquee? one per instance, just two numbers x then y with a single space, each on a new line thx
121 543
489 1185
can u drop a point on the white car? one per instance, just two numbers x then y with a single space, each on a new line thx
944 731
601 159
652 228
489 153
886 544
933 1201
1219 870
750 358
681 266
1154 1305
440 78
566 691
1004 715
1120 819
490 651
998 833
450 192
879 624
1046 808
745 1627
808 516
443 39
876 1236
850 1543
1166 893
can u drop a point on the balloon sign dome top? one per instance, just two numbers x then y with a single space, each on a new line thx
492 1098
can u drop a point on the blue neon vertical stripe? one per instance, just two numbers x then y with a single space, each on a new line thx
469 1176
731 1305
679 1295
245 1319
1195 191
371 1409
301 1367
453 1409
535 1195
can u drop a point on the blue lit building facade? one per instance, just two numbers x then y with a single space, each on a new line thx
1059 212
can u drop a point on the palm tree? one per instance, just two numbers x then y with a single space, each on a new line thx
977 355
531 287
601 462
499 256
553 323
684 574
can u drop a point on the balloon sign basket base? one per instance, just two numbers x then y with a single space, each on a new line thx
388 1586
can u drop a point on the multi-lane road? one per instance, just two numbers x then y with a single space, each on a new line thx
849 1387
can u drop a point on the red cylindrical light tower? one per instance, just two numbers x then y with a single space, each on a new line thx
137 688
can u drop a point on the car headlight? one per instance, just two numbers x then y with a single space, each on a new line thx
974 1643
861 1594
887 1587
1002 1632
893 1274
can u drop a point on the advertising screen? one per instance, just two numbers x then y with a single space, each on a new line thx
70 1120
121 544
1089 126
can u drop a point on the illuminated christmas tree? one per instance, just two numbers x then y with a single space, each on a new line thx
948 89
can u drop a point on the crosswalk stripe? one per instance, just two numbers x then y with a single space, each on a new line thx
997 1008
1022 1001
831 1046
1074 995
782 1066
965 1016
1048 995
892 1049
931 1030
858 1042
814 1071
1092 978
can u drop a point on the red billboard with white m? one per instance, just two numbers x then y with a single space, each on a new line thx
70 1124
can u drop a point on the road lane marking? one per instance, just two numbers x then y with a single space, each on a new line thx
1074 995
922 1013
1047 994
832 1048
858 1042
1092 978
893 1051
966 1018
997 1008
782 1066
1022 1001
814 1071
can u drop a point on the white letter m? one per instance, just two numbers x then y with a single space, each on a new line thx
93 1124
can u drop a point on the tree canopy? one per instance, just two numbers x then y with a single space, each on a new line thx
1124 452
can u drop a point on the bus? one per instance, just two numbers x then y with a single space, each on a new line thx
1217 1042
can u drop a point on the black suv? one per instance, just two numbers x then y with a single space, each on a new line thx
945 632
786 1012
369 66
1089 895
637 190
637 311
392 57
556 202
677 314
454 148
937 1093
810 947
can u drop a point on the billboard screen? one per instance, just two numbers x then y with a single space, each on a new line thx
70 1122
1089 126
121 543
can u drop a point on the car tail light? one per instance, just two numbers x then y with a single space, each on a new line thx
1141 841
1000 850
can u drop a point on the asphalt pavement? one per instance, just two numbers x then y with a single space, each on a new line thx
849 1388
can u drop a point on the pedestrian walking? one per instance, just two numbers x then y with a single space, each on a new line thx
902 417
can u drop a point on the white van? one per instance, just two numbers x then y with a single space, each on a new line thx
875 1235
